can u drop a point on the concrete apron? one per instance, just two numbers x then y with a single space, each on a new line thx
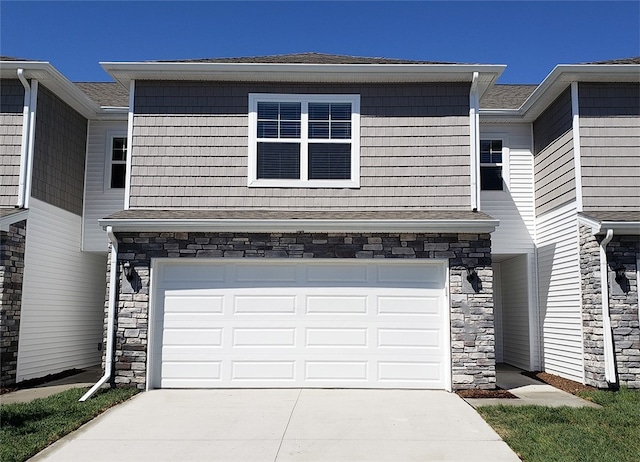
285 425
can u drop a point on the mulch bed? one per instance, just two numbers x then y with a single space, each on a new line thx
497 393
561 383
556 381
40 380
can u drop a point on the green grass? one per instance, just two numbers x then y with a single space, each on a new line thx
536 433
28 428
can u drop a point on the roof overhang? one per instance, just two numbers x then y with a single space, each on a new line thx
292 222
13 216
556 82
601 226
125 72
51 78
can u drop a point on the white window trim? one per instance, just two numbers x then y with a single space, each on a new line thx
108 158
303 182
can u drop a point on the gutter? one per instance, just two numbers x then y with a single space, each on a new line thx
113 281
300 225
609 360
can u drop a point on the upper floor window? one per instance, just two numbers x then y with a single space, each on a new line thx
118 162
304 140
491 165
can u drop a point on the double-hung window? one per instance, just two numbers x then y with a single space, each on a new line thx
304 140
491 165
118 162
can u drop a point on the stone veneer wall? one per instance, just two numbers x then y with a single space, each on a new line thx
12 246
472 328
623 308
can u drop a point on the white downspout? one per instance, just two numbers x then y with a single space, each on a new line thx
25 138
33 105
474 106
111 309
609 361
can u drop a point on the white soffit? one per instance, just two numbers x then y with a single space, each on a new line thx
51 78
293 72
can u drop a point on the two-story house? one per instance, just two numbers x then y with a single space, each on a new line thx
332 221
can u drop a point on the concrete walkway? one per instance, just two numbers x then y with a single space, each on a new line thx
285 425
529 391
87 378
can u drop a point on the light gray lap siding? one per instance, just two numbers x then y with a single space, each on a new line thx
11 105
609 146
190 148
59 153
554 171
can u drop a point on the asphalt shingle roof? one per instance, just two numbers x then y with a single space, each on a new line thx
305 58
105 93
506 96
633 60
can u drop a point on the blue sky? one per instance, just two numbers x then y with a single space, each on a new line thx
529 37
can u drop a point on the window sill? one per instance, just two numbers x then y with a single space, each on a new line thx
304 184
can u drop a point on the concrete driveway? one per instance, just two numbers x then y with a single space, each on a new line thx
285 425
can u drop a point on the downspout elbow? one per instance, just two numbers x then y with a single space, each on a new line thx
111 309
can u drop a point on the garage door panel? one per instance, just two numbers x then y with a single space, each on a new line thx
332 371
407 371
265 304
332 305
409 338
178 301
264 337
322 337
263 370
338 275
409 305
363 325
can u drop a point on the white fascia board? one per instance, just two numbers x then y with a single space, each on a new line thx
8 220
51 78
242 225
556 82
272 72
618 227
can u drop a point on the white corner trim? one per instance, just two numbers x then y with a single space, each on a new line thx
575 112
33 106
127 181
8 220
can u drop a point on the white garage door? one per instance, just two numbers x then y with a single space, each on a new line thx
320 323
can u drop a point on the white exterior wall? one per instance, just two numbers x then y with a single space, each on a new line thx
100 201
63 296
514 207
514 285
560 293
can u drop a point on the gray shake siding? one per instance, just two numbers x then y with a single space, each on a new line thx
190 148
11 105
554 170
59 153
472 326
609 146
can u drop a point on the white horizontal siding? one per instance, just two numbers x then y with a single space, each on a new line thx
63 296
559 293
515 312
99 201
514 207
